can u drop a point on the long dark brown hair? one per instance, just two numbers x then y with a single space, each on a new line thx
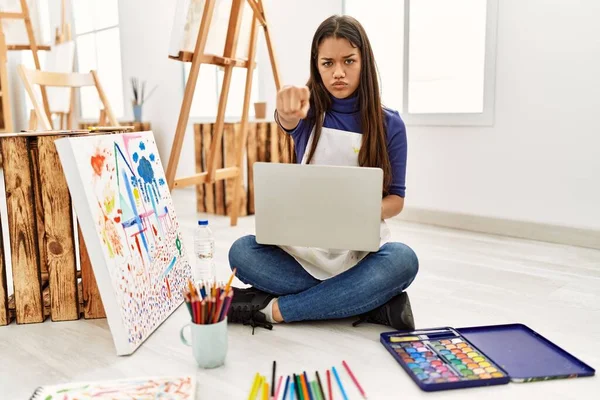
373 151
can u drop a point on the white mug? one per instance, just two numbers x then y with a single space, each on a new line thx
209 343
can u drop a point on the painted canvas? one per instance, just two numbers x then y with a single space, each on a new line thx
128 221
165 388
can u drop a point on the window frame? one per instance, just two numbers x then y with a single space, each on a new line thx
256 85
119 114
487 116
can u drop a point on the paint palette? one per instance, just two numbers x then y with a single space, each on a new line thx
441 359
448 358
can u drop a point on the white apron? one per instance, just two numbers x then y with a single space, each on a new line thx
340 148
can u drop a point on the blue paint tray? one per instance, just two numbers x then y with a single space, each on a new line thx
448 358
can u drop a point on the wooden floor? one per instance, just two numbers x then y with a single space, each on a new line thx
465 279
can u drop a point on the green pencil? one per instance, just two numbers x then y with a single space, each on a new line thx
316 391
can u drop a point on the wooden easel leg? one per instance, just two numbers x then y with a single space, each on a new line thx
242 143
34 50
211 166
32 120
189 93
71 115
235 19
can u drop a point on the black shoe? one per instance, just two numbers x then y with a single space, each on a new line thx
245 307
395 313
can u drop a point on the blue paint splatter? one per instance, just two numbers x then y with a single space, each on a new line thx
138 220
145 170
170 267
136 157
161 182
152 157
142 146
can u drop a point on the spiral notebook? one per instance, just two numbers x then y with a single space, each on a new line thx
164 388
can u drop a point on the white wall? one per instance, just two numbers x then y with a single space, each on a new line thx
540 162
293 25
145 34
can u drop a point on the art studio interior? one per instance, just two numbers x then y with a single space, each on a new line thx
311 200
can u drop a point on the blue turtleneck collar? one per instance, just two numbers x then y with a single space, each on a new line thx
348 105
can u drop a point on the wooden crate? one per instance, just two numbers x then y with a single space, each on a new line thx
266 142
42 238
137 126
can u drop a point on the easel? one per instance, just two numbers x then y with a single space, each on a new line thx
65 119
63 34
4 48
228 61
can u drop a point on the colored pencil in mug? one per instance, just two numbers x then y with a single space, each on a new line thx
220 301
225 309
339 382
360 389
329 385
230 280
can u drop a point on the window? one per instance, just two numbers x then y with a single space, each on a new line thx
98 47
208 91
436 58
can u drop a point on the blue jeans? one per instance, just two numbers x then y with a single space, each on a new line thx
368 285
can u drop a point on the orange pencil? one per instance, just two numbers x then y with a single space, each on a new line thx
230 280
304 388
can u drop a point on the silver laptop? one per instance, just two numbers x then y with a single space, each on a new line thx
318 206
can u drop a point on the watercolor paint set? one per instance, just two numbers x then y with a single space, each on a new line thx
449 358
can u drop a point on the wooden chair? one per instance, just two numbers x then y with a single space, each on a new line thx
71 80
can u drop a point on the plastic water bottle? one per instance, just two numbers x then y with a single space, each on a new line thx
204 248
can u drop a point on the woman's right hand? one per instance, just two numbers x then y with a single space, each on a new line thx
293 103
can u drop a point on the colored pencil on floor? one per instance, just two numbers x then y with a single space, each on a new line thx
322 393
360 389
316 393
339 382
292 391
273 378
298 385
255 385
276 396
329 385
285 389
304 387
308 386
